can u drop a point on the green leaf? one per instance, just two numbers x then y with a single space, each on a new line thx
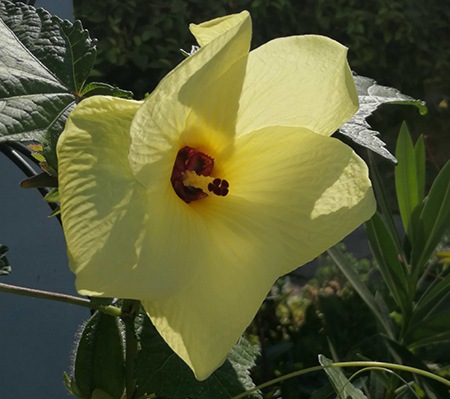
45 62
5 267
433 301
99 362
419 152
434 219
104 89
433 325
371 96
361 289
384 250
406 180
433 389
341 384
160 371
53 195
383 204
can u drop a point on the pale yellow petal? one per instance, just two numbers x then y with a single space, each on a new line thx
196 104
315 190
301 81
102 205
293 194
123 240
239 257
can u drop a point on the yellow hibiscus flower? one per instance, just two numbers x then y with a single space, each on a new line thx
196 200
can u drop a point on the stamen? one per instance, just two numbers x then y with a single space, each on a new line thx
219 187
191 176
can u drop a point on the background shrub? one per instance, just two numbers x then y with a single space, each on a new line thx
401 43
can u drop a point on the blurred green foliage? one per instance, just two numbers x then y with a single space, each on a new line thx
400 43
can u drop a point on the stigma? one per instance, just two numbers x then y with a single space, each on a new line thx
191 176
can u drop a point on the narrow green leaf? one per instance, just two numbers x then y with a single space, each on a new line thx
360 288
341 384
160 371
434 324
383 204
53 195
371 96
419 152
434 219
40 180
99 362
431 300
392 270
433 389
407 186
442 338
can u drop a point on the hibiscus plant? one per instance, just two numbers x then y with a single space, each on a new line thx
180 211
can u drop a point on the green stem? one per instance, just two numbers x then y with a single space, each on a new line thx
54 296
130 308
391 366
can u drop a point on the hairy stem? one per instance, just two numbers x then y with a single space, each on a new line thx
130 308
54 296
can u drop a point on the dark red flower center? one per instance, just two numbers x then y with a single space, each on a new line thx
189 164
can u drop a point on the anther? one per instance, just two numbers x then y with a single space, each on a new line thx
219 187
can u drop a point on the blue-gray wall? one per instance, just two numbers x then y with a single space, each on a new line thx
36 336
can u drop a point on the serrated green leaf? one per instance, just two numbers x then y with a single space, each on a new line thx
44 64
341 384
159 370
99 362
406 181
371 96
434 218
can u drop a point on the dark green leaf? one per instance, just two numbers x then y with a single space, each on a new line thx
360 288
433 389
431 304
433 325
5 267
371 96
383 203
434 219
99 362
341 384
45 62
159 370
384 250
40 180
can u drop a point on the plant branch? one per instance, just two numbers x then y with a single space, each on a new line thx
130 308
54 296
390 366
15 152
